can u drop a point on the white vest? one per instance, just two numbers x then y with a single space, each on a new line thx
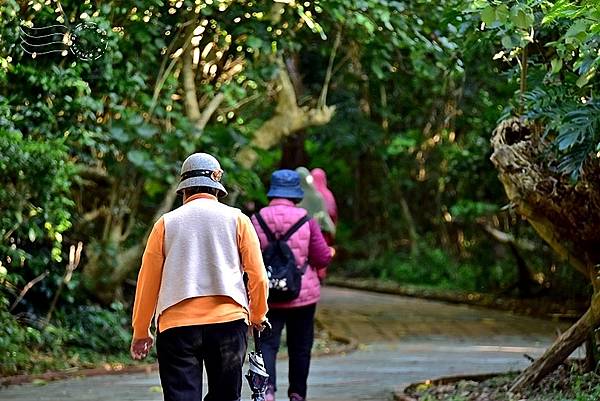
201 254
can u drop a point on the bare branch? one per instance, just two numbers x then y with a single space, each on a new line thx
507 238
74 258
242 103
94 214
27 287
323 97
163 74
189 89
209 110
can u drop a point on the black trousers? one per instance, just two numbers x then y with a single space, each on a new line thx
299 324
183 351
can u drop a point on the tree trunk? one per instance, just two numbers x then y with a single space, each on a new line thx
293 152
410 224
564 214
561 349
524 278
590 353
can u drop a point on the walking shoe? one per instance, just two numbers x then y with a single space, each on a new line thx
270 393
296 397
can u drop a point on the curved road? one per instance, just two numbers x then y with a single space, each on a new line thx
402 340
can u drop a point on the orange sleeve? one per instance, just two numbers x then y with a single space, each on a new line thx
148 283
252 263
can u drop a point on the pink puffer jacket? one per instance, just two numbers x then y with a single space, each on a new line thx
307 244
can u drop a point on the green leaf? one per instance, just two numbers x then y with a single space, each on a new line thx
118 133
560 9
502 13
488 15
507 42
577 28
566 140
520 18
146 130
254 42
152 187
585 78
137 157
378 71
557 64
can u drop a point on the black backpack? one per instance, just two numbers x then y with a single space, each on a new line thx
285 278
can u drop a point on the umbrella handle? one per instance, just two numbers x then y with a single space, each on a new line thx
256 335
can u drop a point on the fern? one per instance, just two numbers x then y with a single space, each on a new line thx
575 125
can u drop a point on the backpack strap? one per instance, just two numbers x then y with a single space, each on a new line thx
265 227
295 228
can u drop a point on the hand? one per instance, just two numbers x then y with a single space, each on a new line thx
261 326
141 347
332 250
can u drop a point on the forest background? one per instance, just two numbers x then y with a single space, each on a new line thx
396 100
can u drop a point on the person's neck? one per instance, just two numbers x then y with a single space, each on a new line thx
201 195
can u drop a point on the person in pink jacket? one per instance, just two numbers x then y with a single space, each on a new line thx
320 183
297 315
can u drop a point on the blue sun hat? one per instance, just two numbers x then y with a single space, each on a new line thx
285 184
201 170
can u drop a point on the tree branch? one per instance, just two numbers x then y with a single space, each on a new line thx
288 118
209 110
74 258
164 74
27 287
506 238
190 95
323 97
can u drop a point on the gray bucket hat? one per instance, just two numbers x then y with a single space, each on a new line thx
201 170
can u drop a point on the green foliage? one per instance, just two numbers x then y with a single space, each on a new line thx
36 210
430 267
554 45
89 149
84 338
103 330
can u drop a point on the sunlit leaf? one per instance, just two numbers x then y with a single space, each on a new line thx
502 13
488 15
585 78
557 64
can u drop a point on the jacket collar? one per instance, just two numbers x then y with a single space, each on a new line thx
281 202
200 196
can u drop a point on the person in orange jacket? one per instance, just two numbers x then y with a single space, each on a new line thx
191 282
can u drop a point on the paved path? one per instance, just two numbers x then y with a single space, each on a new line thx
402 340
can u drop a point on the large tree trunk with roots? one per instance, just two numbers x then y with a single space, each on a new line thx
565 214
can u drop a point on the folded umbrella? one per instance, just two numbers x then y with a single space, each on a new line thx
257 375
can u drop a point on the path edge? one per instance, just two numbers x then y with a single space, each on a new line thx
348 345
478 377
476 299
